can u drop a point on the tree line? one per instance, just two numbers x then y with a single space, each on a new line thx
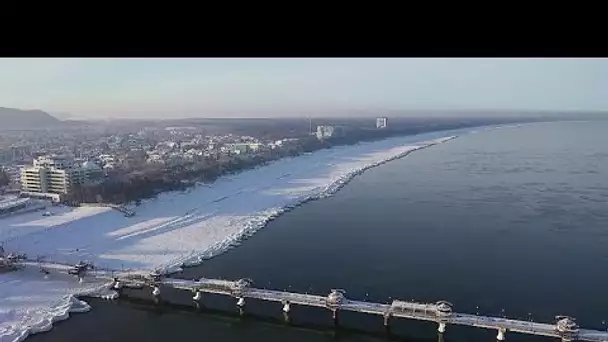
4 177
133 182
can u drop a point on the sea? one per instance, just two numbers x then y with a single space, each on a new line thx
507 222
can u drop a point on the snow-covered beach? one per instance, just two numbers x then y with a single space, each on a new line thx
175 229
31 303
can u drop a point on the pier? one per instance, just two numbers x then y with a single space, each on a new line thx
441 313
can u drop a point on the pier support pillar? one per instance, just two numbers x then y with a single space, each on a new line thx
501 334
240 302
387 323
441 328
197 296
286 307
387 320
335 316
156 291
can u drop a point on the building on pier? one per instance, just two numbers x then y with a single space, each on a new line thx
567 327
335 298
240 285
443 308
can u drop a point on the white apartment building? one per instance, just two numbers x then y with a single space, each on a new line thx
325 132
56 175
381 122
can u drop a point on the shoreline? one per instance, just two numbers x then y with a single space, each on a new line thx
331 189
72 304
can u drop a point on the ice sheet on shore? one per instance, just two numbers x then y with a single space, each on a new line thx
172 230
31 303
187 227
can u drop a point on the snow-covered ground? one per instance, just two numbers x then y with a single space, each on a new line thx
175 229
31 303
186 227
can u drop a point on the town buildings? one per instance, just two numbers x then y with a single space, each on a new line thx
57 175
326 132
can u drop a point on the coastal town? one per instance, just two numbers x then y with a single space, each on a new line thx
117 166
140 196
303 199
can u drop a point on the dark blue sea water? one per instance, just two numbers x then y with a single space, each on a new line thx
514 219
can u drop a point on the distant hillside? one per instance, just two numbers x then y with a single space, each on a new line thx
12 118
63 116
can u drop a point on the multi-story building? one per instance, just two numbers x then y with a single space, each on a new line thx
381 122
326 132
55 162
56 175
237 148
34 179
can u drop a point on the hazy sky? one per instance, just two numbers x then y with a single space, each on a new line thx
270 87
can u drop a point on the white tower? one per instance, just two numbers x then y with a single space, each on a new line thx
381 122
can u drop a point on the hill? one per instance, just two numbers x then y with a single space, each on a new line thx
63 116
12 118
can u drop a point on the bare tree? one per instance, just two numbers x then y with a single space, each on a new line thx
4 177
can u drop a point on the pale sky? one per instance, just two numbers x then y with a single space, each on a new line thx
280 87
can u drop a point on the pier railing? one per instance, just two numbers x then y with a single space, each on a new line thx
442 313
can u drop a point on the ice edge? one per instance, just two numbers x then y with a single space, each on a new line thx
71 304
255 224
58 312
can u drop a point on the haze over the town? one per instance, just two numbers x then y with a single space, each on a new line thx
159 88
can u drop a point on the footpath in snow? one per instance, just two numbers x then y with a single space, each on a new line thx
173 230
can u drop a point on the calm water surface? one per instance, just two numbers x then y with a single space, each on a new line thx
514 219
